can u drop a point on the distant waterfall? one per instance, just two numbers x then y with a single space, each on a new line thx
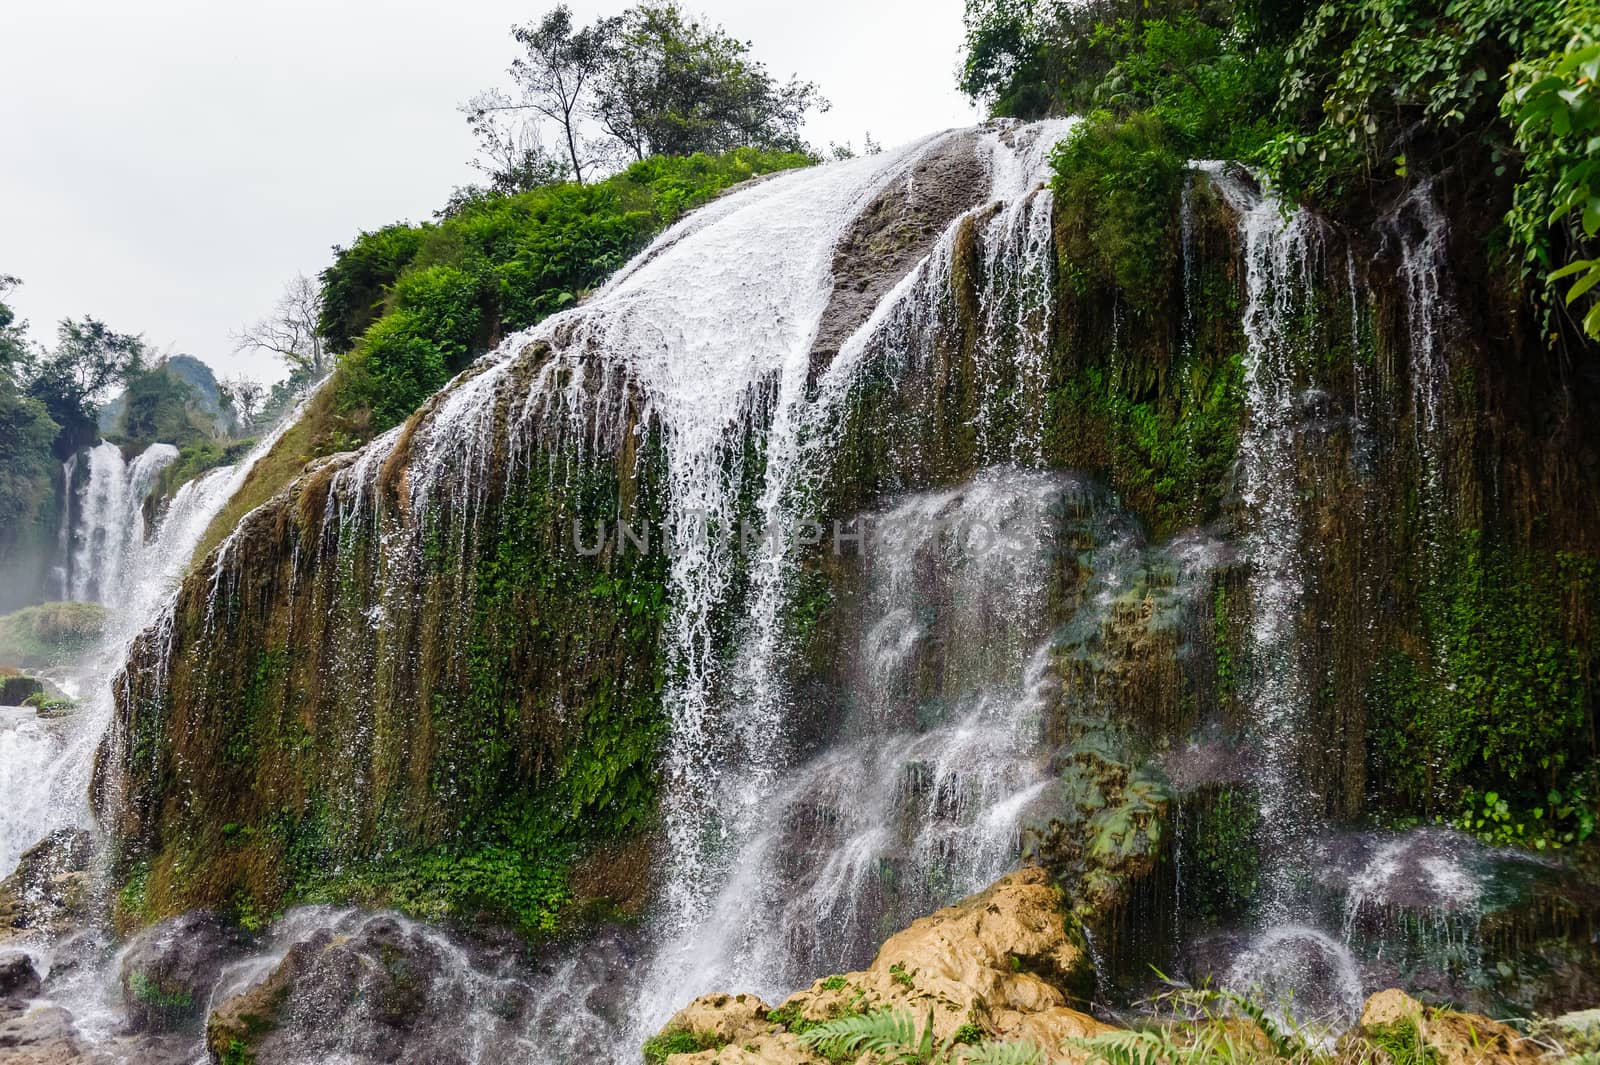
107 527
45 766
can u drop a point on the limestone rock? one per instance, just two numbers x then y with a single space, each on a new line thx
999 960
1456 1038
47 893
169 969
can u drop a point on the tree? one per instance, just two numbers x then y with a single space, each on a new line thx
243 397
291 331
88 359
513 156
27 432
554 78
13 335
158 405
673 86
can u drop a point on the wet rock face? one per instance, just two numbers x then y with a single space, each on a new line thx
43 1037
47 893
894 231
386 990
1001 961
18 978
169 969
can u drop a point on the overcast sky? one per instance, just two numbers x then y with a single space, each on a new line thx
168 163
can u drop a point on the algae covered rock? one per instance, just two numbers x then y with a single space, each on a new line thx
16 690
169 969
375 988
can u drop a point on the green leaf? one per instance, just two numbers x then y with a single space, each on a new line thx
1583 285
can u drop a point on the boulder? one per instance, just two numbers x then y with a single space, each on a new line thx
15 690
49 890
994 966
18 978
1455 1038
376 988
168 970
44 1036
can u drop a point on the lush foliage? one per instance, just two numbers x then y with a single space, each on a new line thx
1555 103
412 305
1331 99
656 80
1503 705
892 1037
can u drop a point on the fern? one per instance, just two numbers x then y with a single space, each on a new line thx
1132 1048
892 1037
1000 1054
890 1034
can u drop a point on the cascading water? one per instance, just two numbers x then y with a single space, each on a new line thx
919 801
100 548
709 335
52 762
1277 253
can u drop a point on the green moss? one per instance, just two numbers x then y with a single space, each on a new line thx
1220 856
1497 697
158 997
678 1041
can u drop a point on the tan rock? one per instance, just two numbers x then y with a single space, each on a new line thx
1457 1038
1389 1007
998 960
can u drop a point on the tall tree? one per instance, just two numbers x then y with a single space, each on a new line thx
70 381
243 398
290 331
672 85
26 432
554 78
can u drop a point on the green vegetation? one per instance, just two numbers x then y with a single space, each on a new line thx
1332 99
891 1036
1502 703
1221 860
46 634
416 303
678 1041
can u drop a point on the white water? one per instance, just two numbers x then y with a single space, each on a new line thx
1278 258
1307 971
708 335
53 769
100 564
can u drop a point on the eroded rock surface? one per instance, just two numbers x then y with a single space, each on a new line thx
47 893
381 989
1455 1038
1001 962
169 969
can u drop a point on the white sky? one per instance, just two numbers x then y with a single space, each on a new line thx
168 163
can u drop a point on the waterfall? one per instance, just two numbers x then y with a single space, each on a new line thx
1277 252
52 763
100 557
708 338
